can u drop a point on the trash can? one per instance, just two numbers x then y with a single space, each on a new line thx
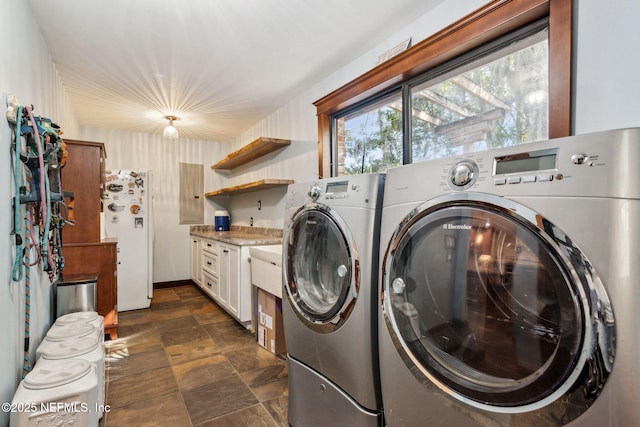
76 293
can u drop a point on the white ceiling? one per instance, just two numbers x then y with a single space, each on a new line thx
221 66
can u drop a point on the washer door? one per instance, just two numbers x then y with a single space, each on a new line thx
495 306
321 269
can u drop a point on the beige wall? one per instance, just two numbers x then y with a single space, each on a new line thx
27 72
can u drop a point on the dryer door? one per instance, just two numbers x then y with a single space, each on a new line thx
320 268
495 305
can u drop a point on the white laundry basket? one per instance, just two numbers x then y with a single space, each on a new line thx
87 348
56 393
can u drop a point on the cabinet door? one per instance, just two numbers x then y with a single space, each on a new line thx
196 269
234 280
101 259
83 175
112 319
224 277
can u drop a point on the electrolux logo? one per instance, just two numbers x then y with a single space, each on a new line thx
449 226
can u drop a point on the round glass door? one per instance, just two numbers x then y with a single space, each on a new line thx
319 268
484 305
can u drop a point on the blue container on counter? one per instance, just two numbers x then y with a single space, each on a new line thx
222 220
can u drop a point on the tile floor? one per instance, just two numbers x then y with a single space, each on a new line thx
185 362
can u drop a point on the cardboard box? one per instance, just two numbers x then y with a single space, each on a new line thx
270 325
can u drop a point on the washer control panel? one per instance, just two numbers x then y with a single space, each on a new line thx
602 164
529 167
538 166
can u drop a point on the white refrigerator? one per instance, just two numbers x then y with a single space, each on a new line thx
128 217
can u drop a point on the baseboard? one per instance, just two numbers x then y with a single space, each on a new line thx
172 284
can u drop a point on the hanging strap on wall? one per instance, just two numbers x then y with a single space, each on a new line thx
45 195
17 272
26 366
41 156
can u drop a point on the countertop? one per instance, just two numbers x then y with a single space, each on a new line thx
241 236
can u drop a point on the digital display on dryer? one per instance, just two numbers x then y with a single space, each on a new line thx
525 162
338 187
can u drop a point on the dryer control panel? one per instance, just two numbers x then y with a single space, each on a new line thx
338 190
353 190
332 190
317 191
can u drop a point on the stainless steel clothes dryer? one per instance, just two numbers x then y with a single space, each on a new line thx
509 286
330 262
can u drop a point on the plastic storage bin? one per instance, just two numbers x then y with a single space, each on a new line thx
59 333
58 392
87 348
90 317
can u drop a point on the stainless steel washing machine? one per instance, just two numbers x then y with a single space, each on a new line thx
330 262
509 286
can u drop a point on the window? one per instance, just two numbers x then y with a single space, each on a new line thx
500 76
496 101
370 139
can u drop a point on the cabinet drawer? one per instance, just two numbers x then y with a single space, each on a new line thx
209 246
210 285
210 263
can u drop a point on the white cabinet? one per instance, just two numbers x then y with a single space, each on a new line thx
209 262
235 280
196 268
235 284
225 276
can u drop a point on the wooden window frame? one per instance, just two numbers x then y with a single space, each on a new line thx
493 20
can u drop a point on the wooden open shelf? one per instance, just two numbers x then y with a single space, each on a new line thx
250 152
262 184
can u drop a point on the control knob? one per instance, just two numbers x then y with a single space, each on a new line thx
578 158
463 174
314 192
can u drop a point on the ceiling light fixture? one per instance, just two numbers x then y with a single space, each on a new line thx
170 131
